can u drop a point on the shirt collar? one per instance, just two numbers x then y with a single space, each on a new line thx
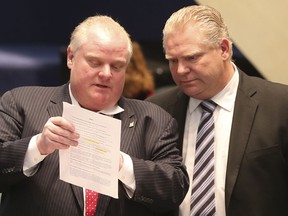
224 98
110 111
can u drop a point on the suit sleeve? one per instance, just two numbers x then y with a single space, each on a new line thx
161 177
12 146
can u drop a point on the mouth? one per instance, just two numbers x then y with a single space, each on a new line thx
189 82
101 86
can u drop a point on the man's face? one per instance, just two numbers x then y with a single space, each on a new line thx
196 67
98 70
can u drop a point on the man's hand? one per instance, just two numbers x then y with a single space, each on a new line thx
58 133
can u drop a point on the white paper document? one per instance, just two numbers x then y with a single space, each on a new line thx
94 163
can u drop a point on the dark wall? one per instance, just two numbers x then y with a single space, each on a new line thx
51 22
38 32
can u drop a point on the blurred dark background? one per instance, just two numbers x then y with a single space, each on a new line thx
51 22
34 35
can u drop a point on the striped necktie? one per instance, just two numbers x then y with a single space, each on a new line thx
203 195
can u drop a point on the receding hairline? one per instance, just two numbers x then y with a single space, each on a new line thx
103 23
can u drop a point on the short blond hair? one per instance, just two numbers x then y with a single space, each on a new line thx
208 19
80 33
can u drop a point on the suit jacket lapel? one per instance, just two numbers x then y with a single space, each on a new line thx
78 193
178 109
55 108
102 205
244 112
128 123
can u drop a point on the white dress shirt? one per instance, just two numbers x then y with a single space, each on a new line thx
223 115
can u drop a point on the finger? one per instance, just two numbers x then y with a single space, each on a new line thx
63 123
61 140
62 127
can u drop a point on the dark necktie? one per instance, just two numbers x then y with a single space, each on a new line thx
91 199
203 193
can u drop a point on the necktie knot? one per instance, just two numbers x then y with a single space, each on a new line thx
208 106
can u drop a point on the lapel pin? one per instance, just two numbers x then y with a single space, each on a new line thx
131 124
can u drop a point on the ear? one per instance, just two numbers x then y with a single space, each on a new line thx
69 57
225 48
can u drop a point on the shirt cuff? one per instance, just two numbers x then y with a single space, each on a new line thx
126 174
32 158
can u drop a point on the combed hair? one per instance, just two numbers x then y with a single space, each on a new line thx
208 19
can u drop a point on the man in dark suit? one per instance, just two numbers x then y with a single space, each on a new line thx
152 177
251 121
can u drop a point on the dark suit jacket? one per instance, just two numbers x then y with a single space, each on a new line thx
257 169
161 178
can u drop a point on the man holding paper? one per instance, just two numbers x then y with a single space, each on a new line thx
152 177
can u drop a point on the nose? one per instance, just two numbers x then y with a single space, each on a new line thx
182 68
105 71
